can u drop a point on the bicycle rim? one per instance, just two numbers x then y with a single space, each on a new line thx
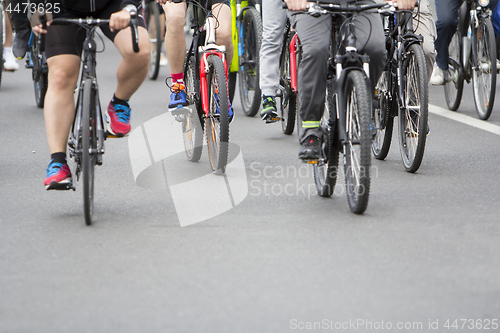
192 130
413 116
357 147
288 97
155 34
382 119
217 119
250 38
454 84
484 71
89 143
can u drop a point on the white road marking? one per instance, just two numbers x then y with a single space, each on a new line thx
461 118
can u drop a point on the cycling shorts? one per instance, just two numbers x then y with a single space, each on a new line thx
68 39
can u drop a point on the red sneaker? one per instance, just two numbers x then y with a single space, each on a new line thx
58 177
118 119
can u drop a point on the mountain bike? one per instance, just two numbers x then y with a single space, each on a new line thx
289 105
402 91
472 57
205 76
154 26
87 135
37 61
346 122
249 33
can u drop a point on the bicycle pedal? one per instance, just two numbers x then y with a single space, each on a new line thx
312 162
110 135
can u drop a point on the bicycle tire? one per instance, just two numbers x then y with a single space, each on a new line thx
288 103
357 156
413 118
454 84
484 70
2 33
192 128
325 172
250 38
217 119
382 119
39 73
155 35
231 83
89 144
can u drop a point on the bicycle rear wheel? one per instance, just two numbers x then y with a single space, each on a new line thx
153 23
288 105
325 171
89 149
39 73
231 83
250 38
192 129
454 84
217 119
357 147
413 117
382 119
484 69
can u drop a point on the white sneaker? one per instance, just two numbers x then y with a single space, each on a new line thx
10 63
163 60
437 77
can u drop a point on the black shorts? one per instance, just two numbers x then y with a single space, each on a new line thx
68 39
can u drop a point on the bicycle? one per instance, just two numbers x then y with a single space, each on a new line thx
246 15
154 26
288 89
402 91
472 57
87 135
37 61
205 75
346 122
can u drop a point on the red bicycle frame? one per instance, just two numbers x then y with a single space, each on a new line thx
293 62
203 76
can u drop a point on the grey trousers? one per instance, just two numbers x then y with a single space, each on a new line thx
273 25
423 23
314 34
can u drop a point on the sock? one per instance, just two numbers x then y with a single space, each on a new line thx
177 78
7 49
116 100
58 158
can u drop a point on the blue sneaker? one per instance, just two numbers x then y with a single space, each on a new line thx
230 111
178 97
58 177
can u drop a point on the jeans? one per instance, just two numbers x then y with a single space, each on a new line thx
446 25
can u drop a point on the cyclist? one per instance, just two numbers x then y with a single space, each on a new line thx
63 50
314 35
273 25
175 43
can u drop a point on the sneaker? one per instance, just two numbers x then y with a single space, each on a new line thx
310 148
437 77
163 60
10 63
269 112
178 97
230 111
118 119
58 177
20 43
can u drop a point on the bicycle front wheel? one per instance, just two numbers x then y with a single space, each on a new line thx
288 97
192 128
413 116
155 34
454 84
217 119
484 69
89 148
250 39
357 156
382 118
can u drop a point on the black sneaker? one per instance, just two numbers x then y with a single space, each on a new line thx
269 113
310 149
20 43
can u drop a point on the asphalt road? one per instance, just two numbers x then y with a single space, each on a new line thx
177 249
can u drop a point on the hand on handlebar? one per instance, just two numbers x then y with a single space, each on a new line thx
296 5
405 4
119 20
40 22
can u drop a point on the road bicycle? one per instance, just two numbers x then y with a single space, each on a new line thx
472 57
2 37
248 31
155 31
37 61
289 105
346 122
205 76
87 135
402 91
